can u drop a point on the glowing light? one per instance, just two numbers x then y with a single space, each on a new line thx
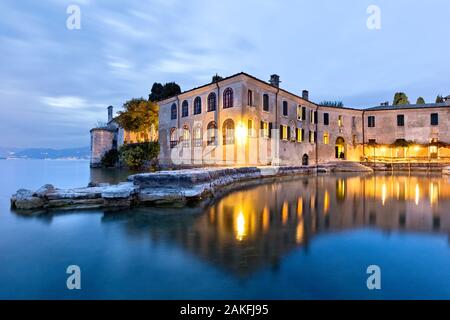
300 207
240 227
266 219
299 235
434 194
383 193
417 194
326 202
285 212
241 134
416 148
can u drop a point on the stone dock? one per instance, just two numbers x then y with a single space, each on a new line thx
172 188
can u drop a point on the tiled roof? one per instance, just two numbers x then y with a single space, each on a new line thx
409 106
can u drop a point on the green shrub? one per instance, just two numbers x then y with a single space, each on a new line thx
135 155
110 158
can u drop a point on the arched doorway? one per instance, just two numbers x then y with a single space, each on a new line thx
305 160
340 148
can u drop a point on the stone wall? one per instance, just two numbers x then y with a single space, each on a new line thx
102 140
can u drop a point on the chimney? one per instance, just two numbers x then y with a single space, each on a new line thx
275 80
110 113
385 104
305 94
447 100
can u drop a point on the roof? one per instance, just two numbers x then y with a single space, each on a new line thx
409 106
236 75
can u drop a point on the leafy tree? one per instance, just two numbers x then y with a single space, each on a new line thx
420 100
110 158
439 99
216 78
156 92
135 155
400 98
139 115
161 92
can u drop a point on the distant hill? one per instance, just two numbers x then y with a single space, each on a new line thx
45 153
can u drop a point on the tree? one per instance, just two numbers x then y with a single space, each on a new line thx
139 115
420 100
400 98
337 104
156 92
439 99
161 92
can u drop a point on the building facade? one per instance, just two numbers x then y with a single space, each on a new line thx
242 120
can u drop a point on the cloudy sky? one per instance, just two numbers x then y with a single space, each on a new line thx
55 83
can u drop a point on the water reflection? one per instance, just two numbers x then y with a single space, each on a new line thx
256 227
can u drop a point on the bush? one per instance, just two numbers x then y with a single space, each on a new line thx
110 158
135 155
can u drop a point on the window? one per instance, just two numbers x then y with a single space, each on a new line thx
326 119
326 138
354 139
228 132
434 119
266 102
300 133
354 122
250 98
401 120
371 121
340 121
299 113
304 113
228 98
250 128
312 136
313 116
173 112
198 136
372 141
173 138
211 133
198 105
186 136
212 102
284 132
185 109
265 129
285 108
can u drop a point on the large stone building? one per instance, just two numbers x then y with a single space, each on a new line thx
242 120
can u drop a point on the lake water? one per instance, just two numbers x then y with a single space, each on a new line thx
308 238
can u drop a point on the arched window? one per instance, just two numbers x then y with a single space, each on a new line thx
228 132
185 109
173 112
173 137
186 138
197 105
198 136
228 98
212 102
211 133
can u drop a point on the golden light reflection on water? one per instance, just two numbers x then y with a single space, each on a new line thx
257 225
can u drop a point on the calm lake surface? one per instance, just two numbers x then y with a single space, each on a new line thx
308 238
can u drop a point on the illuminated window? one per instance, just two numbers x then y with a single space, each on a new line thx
340 121
313 116
299 135
284 132
198 136
250 128
266 128
173 137
211 133
186 136
299 112
326 138
228 132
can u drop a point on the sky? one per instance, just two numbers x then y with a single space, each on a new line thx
56 82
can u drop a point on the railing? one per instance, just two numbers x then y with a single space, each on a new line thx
406 159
